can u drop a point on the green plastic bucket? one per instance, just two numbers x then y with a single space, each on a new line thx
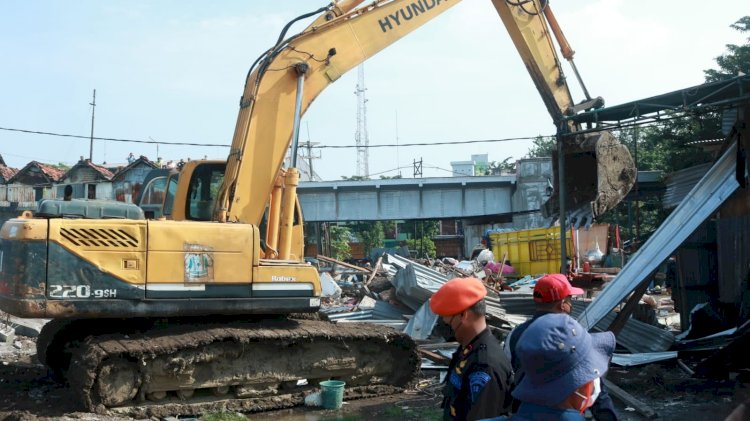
332 394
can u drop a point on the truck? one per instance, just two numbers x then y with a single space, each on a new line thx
168 316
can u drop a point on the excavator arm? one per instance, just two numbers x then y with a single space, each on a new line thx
340 39
599 171
288 77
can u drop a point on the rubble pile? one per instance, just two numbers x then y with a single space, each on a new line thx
396 291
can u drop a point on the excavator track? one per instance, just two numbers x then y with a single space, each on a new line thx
247 366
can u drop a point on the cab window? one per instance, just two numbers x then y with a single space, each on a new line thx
202 192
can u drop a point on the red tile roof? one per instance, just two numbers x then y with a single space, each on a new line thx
101 170
7 172
50 171
53 173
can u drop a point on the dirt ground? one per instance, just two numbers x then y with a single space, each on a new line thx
26 393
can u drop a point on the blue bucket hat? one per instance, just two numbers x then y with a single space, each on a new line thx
557 357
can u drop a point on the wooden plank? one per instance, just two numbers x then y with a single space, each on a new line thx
626 311
375 271
435 357
629 400
340 263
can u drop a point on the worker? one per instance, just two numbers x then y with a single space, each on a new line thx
564 365
553 293
479 376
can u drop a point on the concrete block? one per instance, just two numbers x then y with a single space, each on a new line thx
26 327
7 334
29 327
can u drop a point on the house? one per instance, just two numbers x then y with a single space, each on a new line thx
6 173
89 181
33 182
127 182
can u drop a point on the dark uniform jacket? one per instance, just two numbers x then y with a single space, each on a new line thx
479 381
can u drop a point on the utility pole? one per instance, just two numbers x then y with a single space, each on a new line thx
308 146
91 142
418 168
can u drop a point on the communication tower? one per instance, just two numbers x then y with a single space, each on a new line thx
361 137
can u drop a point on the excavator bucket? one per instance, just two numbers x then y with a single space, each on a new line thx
599 173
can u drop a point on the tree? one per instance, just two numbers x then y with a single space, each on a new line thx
737 58
340 236
372 235
422 233
672 145
543 147
504 166
355 178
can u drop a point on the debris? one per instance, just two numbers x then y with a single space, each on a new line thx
434 356
375 271
630 400
7 334
630 360
313 399
329 286
684 366
421 324
346 265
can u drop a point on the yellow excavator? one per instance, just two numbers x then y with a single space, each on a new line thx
211 308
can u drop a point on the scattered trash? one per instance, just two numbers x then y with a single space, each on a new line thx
313 399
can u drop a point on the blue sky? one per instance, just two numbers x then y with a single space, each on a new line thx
173 70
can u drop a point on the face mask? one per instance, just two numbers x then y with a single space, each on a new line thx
596 388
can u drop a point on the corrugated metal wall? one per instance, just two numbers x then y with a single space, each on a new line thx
733 250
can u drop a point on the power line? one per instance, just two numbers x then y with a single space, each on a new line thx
456 142
385 145
150 142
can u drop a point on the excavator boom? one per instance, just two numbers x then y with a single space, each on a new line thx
325 50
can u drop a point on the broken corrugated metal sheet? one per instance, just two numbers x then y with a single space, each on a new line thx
679 184
629 360
387 311
421 324
414 283
636 336
351 315
393 324
710 192
732 357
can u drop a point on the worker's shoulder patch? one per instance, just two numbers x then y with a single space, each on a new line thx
483 358
477 380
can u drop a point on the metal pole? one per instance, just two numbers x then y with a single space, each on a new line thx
301 69
561 195
91 141
637 201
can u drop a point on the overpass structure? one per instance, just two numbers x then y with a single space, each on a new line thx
436 198
407 198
